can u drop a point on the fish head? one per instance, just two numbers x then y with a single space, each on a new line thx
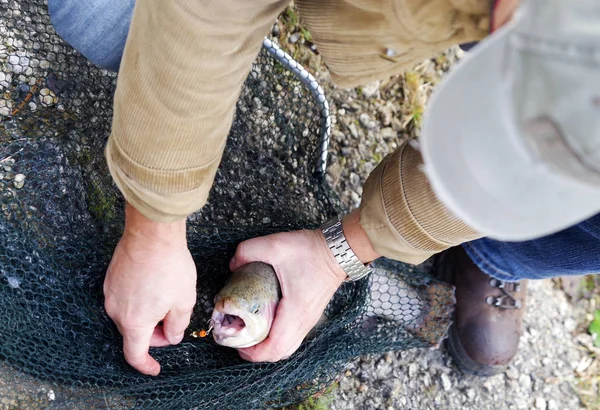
239 322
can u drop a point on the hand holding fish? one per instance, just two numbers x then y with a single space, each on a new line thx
308 275
151 278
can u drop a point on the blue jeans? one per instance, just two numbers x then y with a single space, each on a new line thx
98 29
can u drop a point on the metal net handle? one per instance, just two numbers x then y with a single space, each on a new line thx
318 94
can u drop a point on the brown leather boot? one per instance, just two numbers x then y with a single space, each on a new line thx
488 316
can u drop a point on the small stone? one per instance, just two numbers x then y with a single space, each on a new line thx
19 181
512 373
388 133
355 198
570 324
363 388
525 382
4 111
354 179
540 403
353 130
2 76
348 373
366 121
471 394
371 90
446 383
13 59
295 37
44 64
51 395
552 405
347 151
276 31
388 357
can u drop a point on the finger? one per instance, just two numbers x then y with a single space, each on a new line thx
252 250
285 337
268 351
158 338
136 343
175 324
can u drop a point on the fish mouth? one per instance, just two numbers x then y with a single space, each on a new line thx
229 325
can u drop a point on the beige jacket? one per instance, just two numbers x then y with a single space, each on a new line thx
183 68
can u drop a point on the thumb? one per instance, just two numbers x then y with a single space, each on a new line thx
252 250
136 343
174 325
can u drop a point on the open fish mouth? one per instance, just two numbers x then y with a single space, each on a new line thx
228 324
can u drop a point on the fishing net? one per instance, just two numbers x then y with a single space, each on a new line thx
61 217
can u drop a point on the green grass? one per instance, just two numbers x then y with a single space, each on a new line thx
306 34
319 401
291 17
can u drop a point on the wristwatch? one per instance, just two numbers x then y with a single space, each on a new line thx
336 241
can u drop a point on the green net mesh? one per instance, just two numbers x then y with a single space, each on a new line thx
61 217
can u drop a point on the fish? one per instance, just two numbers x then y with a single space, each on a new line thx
245 307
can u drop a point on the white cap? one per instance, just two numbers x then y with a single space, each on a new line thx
511 138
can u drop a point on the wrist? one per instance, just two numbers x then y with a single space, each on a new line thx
347 247
357 238
165 233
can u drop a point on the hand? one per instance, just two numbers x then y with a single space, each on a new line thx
308 274
151 278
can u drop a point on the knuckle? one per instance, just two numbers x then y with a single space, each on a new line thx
111 309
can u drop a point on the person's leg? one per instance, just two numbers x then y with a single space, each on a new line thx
490 280
96 28
573 251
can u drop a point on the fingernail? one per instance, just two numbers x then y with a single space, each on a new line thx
177 339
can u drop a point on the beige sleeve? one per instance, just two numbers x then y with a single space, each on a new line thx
401 215
181 74
366 40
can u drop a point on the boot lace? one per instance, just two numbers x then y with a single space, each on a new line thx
507 300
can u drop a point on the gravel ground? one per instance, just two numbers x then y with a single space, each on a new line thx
541 376
555 367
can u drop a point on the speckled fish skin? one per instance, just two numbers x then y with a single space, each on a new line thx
245 307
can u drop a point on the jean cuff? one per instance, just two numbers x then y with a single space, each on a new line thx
478 256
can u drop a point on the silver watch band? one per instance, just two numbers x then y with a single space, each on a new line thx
336 241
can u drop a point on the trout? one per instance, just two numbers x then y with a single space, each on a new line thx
245 307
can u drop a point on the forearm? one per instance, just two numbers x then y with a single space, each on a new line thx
401 215
182 70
